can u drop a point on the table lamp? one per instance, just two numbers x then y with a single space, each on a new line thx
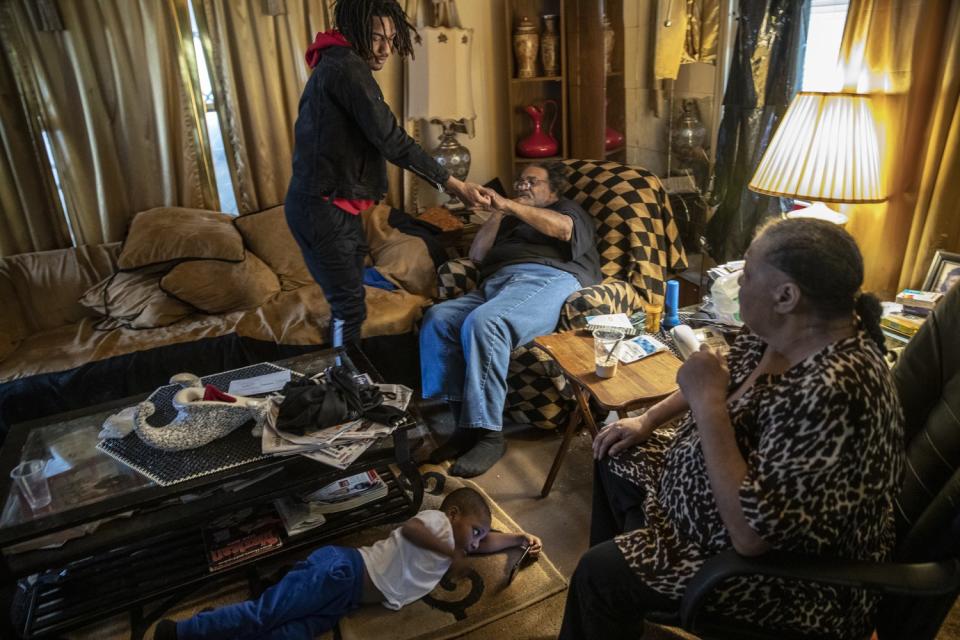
825 150
439 89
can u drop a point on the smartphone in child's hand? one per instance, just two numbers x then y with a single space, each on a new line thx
516 565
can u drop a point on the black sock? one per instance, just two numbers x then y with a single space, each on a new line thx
460 441
489 448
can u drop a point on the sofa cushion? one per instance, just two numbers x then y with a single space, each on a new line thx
266 234
13 323
214 286
135 300
49 284
170 234
401 258
302 316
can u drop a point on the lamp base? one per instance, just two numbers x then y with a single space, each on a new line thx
819 211
450 154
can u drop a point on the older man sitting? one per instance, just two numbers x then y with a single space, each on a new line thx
533 251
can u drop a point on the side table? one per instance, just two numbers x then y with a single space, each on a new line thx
636 385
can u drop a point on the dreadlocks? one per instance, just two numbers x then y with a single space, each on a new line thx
354 18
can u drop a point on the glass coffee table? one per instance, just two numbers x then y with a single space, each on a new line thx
112 539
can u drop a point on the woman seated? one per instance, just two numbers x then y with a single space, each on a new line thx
795 442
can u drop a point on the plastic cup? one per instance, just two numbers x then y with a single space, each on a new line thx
653 312
29 476
606 347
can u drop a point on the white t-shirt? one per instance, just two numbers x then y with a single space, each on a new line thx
404 572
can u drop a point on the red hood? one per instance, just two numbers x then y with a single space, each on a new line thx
324 40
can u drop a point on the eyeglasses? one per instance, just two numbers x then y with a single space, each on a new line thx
528 181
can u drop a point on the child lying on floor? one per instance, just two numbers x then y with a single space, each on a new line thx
333 581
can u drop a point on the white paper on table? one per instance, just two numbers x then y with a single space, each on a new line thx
618 320
259 384
639 347
396 395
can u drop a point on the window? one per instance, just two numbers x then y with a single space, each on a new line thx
228 200
821 71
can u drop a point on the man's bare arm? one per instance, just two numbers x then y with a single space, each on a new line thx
546 221
485 236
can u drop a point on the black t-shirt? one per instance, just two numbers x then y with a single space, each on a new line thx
517 242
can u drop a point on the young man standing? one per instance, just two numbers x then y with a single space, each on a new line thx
344 134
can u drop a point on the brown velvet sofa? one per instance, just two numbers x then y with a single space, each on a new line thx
85 325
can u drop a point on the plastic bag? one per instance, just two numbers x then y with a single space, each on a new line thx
725 294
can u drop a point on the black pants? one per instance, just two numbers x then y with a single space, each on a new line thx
617 504
607 599
334 248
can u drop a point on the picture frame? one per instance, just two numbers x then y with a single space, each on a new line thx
944 272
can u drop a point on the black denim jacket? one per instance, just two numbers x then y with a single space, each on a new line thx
345 132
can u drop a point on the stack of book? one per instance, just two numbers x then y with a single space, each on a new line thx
918 303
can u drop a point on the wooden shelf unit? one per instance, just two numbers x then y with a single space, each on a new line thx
596 99
525 91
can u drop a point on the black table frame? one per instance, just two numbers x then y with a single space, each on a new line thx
158 537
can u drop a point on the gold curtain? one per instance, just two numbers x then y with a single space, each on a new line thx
255 60
30 216
255 52
115 91
905 53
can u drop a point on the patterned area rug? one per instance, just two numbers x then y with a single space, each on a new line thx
451 610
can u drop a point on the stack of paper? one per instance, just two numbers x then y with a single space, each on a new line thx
338 446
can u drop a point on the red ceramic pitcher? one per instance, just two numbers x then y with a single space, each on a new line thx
539 144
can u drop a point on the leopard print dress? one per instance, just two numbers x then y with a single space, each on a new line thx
823 443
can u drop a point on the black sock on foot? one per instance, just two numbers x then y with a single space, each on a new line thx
165 630
489 448
460 441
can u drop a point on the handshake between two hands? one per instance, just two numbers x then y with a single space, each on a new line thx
484 198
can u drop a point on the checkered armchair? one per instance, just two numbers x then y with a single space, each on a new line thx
638 241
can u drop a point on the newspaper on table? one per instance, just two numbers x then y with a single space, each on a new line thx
338 446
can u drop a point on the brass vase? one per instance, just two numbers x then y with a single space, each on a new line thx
550 46
609 40
526 44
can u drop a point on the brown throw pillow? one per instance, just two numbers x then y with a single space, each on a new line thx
171 234
266 234
214 286
400 258
134 300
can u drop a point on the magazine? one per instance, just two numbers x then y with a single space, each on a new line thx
242 535
348 493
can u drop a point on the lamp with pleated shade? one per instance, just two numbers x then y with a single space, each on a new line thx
825 150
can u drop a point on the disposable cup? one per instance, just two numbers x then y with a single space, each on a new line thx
653 314
606 348
29 476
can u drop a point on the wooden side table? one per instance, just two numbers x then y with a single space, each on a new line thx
636 385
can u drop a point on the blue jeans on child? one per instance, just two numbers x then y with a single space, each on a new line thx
309 600
465 343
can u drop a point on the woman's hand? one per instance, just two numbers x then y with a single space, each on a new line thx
704 378
620 435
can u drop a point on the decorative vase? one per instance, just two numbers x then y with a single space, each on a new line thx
526 44
689 134
609 40
450 154
550 46
539 144
612 139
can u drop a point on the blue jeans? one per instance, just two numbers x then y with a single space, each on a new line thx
465 344
309 600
